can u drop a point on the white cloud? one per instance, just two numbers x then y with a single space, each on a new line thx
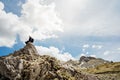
39 21
86 46
106 53
81 18
92 55
7 27
83 50
54 52
111 55
87 53
118 48
97 46
90 17
82 55
1 6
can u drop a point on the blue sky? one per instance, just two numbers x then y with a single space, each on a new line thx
65 29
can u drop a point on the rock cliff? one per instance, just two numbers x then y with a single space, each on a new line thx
26 64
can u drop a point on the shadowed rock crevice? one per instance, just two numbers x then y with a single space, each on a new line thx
3 77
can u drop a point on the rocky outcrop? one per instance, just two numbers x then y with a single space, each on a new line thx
26 64
86 62
91 62
86 59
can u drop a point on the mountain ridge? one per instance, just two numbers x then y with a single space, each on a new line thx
27 64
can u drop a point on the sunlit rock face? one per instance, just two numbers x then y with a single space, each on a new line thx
26 64
91 62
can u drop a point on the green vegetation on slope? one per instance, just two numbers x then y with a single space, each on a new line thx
106 68
107 71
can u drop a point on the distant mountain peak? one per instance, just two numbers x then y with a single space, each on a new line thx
86 59
90 62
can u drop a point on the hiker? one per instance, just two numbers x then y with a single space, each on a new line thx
30 40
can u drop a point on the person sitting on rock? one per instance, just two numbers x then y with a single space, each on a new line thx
30 40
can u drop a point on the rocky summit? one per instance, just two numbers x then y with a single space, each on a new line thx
27 64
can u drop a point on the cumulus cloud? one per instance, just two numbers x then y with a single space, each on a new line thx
90 17
86 46
39 21
106 53
7 27
54 52
82 54
83 50
92 55
97 46
118 48
81 18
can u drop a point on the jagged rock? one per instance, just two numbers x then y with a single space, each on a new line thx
26 64
91 62
85 59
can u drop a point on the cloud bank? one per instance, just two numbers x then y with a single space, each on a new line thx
90 17
39 21
54 52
